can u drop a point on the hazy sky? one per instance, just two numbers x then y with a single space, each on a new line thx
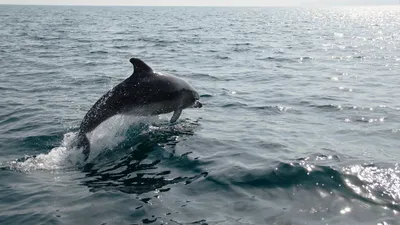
199 2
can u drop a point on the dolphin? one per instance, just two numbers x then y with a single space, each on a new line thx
144 93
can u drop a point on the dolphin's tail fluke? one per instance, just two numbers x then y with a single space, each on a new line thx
84 144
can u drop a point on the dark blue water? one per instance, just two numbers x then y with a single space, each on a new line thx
300 123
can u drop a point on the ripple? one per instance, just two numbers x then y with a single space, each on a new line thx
222 57
205 76
366 120
278 59
275 109
99 52
156 40
234 105
206 96
345 89
328 107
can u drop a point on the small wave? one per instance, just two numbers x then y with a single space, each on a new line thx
122 32
242 47
79 40
319 157
327 107
243 44
23 34
349 57
190 29
48 38
118 39
206 96
222 57
285 175
366 120
98 52
205 76
157 40
275 109
305 58
347 107
212 50
278 59
367 183
9 89
234 105
121 46
90 63
345 89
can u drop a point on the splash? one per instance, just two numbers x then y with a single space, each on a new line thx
61 157
104 138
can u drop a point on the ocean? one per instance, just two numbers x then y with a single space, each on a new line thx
300 121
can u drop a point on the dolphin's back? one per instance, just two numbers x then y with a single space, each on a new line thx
131 93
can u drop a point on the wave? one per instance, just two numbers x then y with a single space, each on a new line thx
100 52
205 76
279 59
222 57
273 110
156 40
366 183
234 105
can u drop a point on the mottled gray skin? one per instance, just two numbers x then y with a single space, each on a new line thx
144 93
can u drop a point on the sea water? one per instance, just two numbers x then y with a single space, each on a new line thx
300 123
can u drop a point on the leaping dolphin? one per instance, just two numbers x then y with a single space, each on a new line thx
144 93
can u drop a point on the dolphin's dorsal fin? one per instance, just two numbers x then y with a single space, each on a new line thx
139 66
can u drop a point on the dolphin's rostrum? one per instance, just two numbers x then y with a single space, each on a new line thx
144 93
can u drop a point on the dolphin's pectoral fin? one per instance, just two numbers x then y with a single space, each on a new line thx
176 115
84 144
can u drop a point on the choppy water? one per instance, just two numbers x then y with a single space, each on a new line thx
300 123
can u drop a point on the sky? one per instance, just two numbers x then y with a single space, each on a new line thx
201 2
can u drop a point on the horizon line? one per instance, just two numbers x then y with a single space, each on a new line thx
110 5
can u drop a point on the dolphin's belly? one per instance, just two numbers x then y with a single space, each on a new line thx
152 108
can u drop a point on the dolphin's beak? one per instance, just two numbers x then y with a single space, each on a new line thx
197 104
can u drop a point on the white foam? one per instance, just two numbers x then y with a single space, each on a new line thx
58 158
107 136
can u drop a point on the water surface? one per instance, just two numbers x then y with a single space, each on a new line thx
300 123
